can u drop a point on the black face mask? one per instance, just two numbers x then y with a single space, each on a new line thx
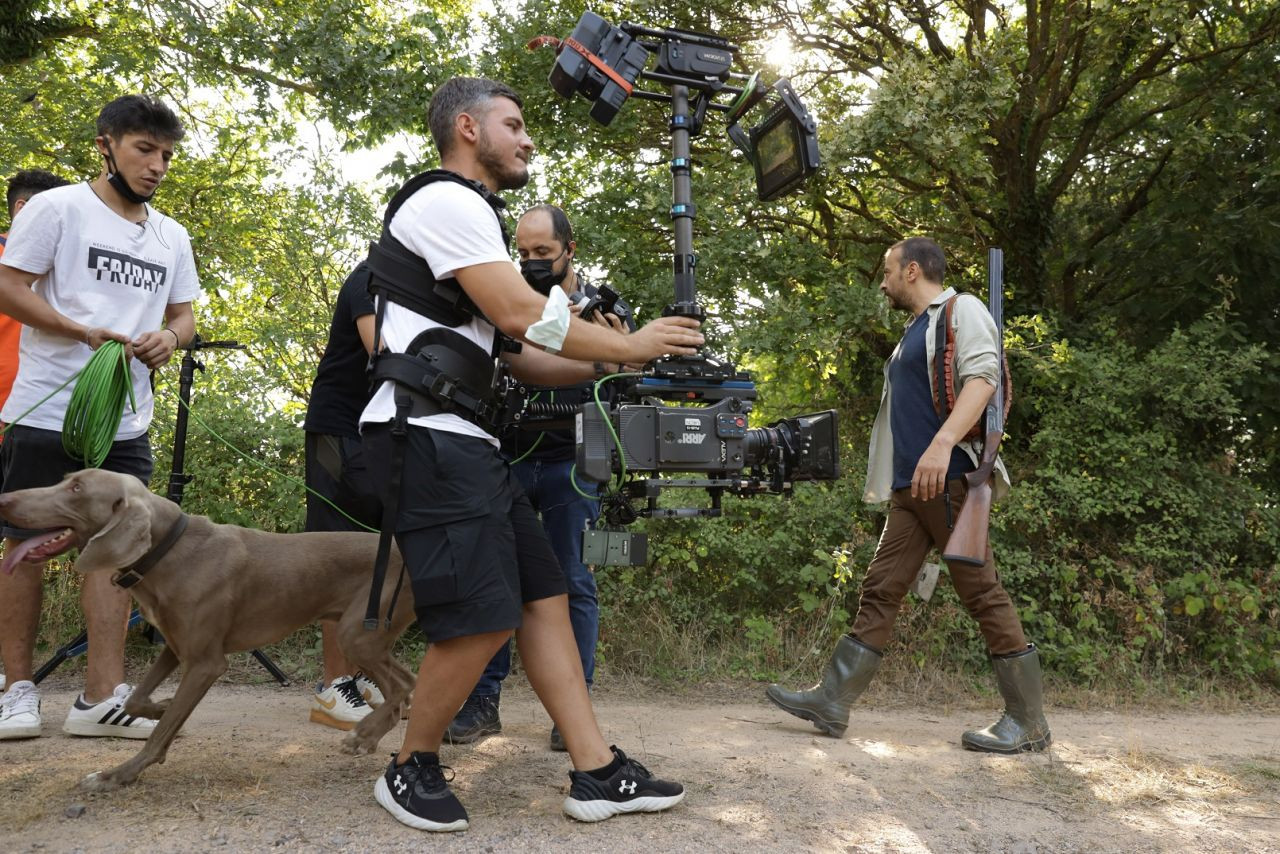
540 275
121 186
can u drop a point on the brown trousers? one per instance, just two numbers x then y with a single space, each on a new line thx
913 528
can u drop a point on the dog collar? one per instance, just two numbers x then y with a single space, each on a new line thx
133 573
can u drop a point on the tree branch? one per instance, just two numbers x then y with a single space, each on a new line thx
238 68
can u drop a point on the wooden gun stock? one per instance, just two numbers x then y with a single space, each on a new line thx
968 541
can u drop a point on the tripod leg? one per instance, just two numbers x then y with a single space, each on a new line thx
271 667
69 650
80 645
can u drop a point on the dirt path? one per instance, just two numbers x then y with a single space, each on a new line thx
251 775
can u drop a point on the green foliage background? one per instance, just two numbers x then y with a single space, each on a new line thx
1125 155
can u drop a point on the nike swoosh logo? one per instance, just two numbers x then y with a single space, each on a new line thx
329 705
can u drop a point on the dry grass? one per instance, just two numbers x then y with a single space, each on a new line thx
651 648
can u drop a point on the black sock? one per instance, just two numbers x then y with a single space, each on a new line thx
607 771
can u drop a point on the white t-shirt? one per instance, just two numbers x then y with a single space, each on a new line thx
451 227
99 269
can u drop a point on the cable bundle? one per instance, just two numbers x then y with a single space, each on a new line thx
97 405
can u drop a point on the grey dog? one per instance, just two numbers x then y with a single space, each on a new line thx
217 589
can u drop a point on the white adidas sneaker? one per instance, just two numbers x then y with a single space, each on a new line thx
20 711
107 718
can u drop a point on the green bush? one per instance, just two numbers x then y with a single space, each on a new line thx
1132 541
749 579
1134 538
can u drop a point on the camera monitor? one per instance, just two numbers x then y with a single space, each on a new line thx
783 148
778 163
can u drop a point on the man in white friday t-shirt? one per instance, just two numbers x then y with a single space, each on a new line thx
86 264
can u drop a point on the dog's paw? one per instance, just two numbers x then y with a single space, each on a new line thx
152 709
358 745
100 781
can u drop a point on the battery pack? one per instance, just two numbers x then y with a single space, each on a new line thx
614 548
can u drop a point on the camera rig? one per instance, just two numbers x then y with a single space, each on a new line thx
687 414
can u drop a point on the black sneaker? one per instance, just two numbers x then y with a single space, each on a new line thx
477 718
557 740
417 794
630 789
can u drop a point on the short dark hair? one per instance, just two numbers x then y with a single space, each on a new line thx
927 254
462 95
27 183
140 114
561 230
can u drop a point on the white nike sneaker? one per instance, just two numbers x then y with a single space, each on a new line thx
340 705
20 711
369 691
107 718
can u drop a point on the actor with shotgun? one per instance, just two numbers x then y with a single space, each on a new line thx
922 461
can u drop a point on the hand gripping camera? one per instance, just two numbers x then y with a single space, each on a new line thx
687 415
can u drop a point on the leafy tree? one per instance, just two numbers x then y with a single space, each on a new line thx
1124 155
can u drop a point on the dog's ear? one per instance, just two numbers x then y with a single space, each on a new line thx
125 538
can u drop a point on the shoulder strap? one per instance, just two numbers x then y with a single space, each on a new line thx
431 176
406 278
944 356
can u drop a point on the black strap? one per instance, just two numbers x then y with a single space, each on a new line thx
395 594
405 278
435 392
390 512
133 573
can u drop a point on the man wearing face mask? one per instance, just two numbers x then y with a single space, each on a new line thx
543 461
86 264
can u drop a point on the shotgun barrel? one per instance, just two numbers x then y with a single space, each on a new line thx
968 541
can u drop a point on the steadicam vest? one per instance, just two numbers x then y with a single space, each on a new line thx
441 371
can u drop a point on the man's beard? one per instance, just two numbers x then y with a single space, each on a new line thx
894 302
495 164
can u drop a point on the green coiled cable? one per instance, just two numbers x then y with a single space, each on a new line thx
97 405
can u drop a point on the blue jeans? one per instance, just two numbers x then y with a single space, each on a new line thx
565 514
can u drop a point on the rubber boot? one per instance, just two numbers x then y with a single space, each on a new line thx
1022 727
827 704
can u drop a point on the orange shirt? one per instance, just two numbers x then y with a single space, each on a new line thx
10 329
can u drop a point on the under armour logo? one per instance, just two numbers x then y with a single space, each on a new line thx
622 787
401 785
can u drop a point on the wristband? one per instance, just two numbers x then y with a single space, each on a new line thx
177 342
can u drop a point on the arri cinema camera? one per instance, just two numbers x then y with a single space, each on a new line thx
687 415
